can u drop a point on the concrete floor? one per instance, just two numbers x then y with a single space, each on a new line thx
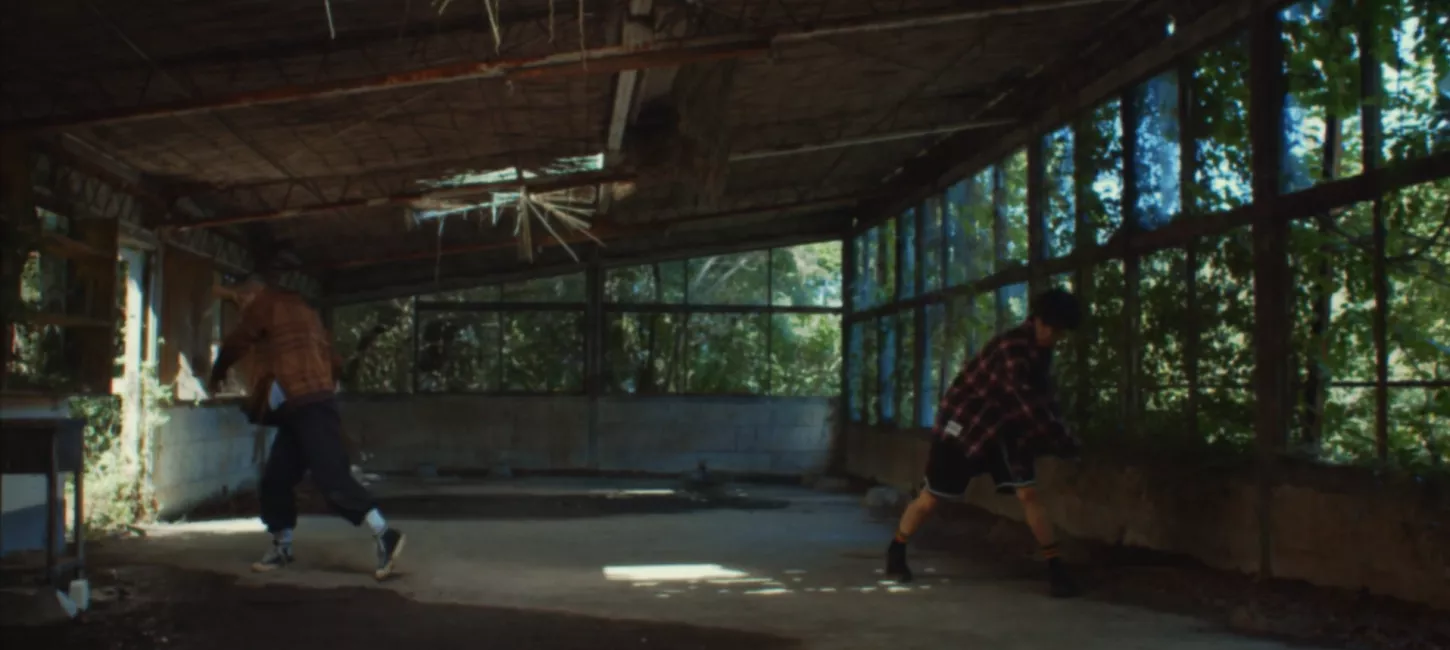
809 571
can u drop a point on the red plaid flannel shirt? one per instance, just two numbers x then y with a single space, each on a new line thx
1005 391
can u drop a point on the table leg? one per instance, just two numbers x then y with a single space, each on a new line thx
50 519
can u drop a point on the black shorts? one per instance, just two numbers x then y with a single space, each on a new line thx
949 471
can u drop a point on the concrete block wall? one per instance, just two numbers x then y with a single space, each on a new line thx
656 434
1335 527
202 452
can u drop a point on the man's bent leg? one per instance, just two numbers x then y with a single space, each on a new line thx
320 435
1059 581
947 475
277 496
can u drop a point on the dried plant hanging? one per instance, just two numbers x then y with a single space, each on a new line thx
583 46
490 9
331 29
551 21
442 5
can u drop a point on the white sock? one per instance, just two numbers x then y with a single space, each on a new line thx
282 537
376 522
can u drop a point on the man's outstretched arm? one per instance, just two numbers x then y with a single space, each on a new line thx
239 341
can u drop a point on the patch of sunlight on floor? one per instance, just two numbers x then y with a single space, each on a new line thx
671 572
218 527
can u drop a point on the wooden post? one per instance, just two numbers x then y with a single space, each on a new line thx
1271 273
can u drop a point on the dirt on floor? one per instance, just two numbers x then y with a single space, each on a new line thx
1284 610
153 607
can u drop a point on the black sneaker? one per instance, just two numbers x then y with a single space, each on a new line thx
390 545
896 562
1060 583
279 557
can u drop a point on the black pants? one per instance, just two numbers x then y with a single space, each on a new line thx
309 438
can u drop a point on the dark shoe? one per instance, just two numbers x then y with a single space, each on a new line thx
390 546
1060 583
277 558
896 562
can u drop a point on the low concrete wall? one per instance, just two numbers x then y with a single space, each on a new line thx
1335 527
202 452
22 496
655 434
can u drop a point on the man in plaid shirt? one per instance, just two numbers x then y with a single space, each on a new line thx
298 373
997 418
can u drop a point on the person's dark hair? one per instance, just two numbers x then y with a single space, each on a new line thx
1057 308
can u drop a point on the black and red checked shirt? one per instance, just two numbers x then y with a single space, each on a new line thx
1005 391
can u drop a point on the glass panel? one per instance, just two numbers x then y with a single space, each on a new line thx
489 293
458 352
1163 290
931 244
906 236
871 371
671 281
643 353
1100 136
1421 416
1412 44
1221 128
1225 315
855 395
906 370
1059 207
959 235
727 353
867 277
738 279
1322 73
979 222
1015 300
631 284
1014 208
886 290
1419 278
376 340
561 288
805 355
887 378
807 276
543 352
1105 329
936 353
1156 162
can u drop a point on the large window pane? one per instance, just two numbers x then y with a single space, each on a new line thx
1321 102
631 284
935 371
886 290
1100 135
906 370
956 227
855 395
931 244
1413 49
1059 207
1220 114
871 371
805 355
738 279
889 359
1156 142
727 353
458 352
1418 248
560 288
808 275
1013 207
1015 305
1163 290
644 353
1105 328
868 255
543 352
376 340
1225 315
976 220
906 235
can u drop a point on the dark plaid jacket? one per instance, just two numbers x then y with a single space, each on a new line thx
1005 392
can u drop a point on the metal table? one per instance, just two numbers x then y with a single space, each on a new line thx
51 447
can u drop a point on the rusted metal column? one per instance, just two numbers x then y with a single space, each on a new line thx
1370 116
1132 272
1188 129
1271 273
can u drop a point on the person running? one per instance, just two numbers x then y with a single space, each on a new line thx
996 418
299 378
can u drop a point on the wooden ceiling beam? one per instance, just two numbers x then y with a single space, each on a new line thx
600 60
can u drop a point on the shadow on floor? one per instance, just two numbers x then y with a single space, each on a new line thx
162 607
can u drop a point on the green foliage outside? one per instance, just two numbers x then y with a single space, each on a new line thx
1333 258
477 349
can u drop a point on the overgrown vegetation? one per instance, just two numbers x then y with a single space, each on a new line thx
118 487
1187 347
